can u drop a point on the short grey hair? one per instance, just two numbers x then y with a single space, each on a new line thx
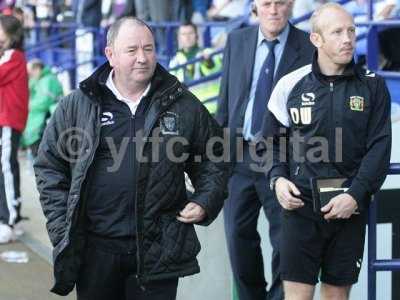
113 31
315 17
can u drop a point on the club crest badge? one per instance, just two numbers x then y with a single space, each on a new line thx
169 123
357 103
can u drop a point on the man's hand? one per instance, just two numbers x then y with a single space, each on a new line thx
286 192
340 207
192 213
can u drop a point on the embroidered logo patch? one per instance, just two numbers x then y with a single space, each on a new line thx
307 99
107 118
357 103
169 123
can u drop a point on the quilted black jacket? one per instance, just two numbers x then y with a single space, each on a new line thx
166 248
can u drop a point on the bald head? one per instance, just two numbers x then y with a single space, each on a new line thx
115 28
325 14
333 33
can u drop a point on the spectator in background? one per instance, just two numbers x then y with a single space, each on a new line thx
6 7
255 57
25 16
88 12
155 11
387 37
226 9
18 12
142 10
200 8
13 114
189 50
130 9
89 16
45 90
389 42
181 10
303 7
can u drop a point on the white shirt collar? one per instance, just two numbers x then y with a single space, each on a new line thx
132 105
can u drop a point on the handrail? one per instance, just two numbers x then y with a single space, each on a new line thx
385 23
72 65
204 24
374 264
50 45
74 25
372 37
210 77
54 38
307 16
394 169
65 37
195 60
389 74
212 99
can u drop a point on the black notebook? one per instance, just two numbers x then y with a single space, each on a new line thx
325 188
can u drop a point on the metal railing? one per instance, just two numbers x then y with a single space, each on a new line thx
307 16
210 77
374 264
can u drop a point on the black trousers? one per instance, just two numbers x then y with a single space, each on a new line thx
248 193
9 176
112 276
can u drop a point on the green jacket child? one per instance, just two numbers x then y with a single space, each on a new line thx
45 90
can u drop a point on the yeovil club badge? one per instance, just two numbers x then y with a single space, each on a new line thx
357 103
169 123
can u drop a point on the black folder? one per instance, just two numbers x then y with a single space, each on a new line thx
325 188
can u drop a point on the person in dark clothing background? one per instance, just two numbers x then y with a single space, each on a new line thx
255 58
115 199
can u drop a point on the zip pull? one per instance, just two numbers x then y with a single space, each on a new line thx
296 172
331 86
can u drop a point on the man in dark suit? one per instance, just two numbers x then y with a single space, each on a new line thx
255 59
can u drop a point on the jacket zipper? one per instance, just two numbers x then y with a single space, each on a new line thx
138 275
138 279
297 170
146 134
132 151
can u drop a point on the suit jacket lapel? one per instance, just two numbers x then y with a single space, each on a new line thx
289 56
249 52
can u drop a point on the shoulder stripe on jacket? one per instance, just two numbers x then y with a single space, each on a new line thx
278 101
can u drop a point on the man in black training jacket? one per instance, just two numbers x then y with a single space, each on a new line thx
337 119
111 176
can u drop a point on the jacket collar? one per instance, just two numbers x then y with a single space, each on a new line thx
351 70
164 87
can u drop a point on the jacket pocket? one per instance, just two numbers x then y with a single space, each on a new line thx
179 241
